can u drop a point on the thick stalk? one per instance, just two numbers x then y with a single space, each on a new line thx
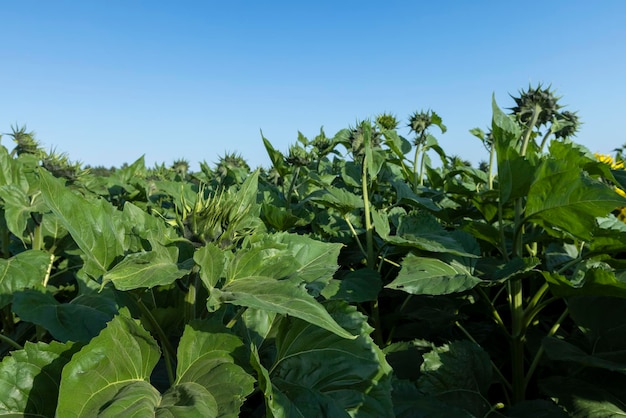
5 238
418 149
537 358
515 290
371 257
492 153
10 342
292 185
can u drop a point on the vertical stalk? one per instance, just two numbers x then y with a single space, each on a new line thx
515 290
492 153
371 257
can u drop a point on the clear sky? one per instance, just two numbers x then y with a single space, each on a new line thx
108 81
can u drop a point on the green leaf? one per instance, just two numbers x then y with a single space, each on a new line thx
340 199
24 270
592 281
559 350
563 197
313 261
584 399
287 297
421 230
11 171
146 269
207 355
96 226
430 276
362 285
408 402
276 157
79 320
211 260
187 400
17 208
29 378
122 356
458 374
318 371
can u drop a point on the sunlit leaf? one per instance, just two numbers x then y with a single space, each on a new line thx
21 271
30 378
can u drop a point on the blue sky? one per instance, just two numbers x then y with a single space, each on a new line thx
108 81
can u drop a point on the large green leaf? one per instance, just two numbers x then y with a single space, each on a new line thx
430 276
458 374
80 320
29 379
21 271
421 230
585 399
312 261
95 225
124 354
17 208
362 285
11 170
589 280
146 269
316 373
207 355
563 197
287 297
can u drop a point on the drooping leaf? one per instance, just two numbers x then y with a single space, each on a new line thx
122 356
20 272
95 225
79 320
208 354
340 199
30 378
430 276
591 281
584 399
421 230
559 350
211 260
563 197
458 374
362 285
312 261
287 297
146 269
317 371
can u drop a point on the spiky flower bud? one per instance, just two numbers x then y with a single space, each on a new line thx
568 122
538 99
387 121
298 157
419 122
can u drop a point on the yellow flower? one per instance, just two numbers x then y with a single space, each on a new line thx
607 159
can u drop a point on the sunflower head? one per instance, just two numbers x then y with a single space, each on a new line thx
539 99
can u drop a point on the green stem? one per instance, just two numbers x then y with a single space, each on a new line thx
369 229
49 269
237 316
492 153
356 237
492 308
544 140
168 351
537 358
292 185
418 149
529 130
10 342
